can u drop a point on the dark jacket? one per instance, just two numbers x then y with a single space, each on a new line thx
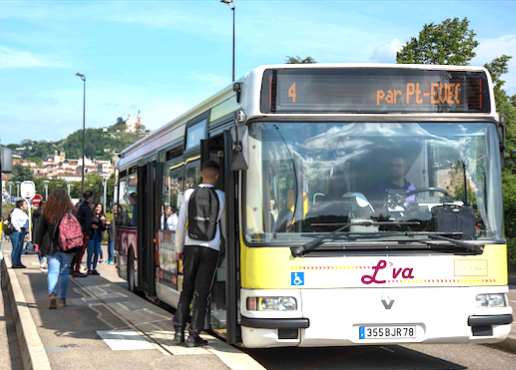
36 224
48 237
84 215
101 226
109 229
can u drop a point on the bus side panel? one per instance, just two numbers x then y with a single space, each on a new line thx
126 239
275 268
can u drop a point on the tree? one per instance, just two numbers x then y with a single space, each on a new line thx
36 160
21 173
298 60
120 121
450 42
497 68
513 100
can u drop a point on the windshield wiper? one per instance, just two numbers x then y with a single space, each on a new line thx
479 249
307 247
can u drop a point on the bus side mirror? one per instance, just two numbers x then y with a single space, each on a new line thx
240 149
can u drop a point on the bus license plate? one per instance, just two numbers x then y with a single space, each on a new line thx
375 332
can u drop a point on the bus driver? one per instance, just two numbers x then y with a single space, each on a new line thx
396 181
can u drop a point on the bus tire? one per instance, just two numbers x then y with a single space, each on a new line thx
130 272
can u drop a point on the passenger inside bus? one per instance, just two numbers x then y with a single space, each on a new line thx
132 200
120 216
398 168
337 187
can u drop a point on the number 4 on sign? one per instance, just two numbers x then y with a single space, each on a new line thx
292 92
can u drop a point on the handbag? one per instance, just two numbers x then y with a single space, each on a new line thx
7 226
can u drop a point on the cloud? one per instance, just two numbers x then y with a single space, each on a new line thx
10 58
112 105
387 53
494 48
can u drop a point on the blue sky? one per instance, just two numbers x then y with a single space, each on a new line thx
163 57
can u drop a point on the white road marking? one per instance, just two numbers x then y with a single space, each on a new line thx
124 340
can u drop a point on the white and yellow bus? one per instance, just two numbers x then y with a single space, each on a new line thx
363 206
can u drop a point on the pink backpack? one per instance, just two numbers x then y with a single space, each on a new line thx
70 233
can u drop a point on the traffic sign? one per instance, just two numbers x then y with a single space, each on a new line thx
37 200
28 190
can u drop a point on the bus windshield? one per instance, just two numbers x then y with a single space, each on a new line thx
310 178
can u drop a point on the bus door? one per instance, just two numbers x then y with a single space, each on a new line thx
146 221
223 308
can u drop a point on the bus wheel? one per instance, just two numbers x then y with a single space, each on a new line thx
130 272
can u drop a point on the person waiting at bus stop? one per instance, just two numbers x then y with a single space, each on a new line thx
20 222
84 215
199 251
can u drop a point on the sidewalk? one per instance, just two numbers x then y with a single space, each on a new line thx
104 326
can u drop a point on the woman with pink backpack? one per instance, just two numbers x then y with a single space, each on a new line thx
55 246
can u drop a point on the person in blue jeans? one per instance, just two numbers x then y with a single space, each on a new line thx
57 205
20 222
98 226
36 222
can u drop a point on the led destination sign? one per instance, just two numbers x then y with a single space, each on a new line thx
374 90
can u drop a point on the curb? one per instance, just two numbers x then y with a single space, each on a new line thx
33 354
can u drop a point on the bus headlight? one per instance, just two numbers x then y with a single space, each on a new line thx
491 300
271 304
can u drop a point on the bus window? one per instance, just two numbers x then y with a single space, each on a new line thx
172 188
312 178
128 200
192 174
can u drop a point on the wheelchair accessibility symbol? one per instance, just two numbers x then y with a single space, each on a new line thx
297 278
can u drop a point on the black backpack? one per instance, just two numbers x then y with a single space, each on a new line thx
8 227
203 211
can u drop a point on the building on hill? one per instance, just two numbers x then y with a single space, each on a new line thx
68 177
57 157
25 163
132 125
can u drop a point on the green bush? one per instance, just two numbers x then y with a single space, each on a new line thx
511 254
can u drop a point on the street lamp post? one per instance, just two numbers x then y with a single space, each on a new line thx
10 190
104 183
45 182
17 189
83 78
68 185
231 5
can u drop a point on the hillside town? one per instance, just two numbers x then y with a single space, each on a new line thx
58 167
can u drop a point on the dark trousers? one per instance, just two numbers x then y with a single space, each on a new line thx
199 267
75 266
